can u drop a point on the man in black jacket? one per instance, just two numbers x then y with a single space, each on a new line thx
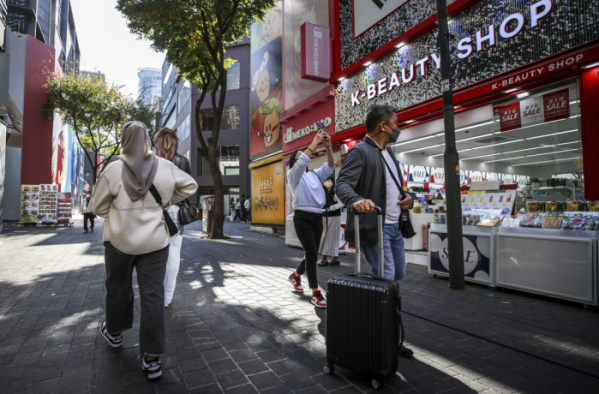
370 176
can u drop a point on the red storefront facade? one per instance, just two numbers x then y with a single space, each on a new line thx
402 67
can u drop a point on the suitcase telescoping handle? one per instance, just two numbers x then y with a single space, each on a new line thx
379 214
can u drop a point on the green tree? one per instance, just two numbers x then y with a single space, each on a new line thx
96 111
195 35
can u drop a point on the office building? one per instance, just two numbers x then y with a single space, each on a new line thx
49 21
179 99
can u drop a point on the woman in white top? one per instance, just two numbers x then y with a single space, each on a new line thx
308 200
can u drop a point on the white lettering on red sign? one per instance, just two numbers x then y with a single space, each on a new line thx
292 135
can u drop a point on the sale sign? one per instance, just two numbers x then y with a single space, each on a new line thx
556 105
509 116
534 110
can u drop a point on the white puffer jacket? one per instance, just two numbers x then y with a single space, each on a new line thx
138 227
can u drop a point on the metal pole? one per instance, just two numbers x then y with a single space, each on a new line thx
452 161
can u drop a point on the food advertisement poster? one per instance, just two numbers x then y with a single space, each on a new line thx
30 203
266 83
268 193
64 210
48 203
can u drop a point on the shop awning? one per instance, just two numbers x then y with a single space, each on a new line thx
264 162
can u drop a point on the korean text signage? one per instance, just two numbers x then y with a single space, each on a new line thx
535 110
316 59
368 13
268 193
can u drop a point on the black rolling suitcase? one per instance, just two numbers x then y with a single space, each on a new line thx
363 320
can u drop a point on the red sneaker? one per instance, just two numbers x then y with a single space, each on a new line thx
296 282
319 301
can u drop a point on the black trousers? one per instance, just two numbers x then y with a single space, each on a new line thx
120 298
86 217
308 227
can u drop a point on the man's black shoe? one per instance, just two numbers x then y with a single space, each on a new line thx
406 353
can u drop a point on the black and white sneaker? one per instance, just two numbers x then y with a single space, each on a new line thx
152 369
113 340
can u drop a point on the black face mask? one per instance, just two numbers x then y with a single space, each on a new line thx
394 135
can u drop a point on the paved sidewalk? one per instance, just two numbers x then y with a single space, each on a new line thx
235 326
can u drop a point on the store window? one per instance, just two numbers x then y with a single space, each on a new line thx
184 95
184 128
531 140
233 74
228 161
229 121
171 121
538 134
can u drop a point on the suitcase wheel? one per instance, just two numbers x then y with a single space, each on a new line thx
377 384
328 368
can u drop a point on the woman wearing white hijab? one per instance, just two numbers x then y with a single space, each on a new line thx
136 236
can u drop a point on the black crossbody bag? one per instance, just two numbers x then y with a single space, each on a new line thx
172 227
407 229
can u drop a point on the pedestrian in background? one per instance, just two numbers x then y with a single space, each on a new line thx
329 244
232 209
88 212
242 209
370 177
166 148
237 211
136 236
308 200
248 209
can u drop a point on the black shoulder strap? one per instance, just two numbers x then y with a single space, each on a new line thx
392 174
155 194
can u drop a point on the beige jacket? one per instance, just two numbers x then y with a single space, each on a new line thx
138 227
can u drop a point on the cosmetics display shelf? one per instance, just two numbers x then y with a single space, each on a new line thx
551 262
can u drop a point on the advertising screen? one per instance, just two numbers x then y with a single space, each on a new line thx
268 193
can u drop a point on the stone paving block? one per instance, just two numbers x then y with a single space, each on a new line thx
74 387
232 379
244 389
47 386
106 376
199 377
297 380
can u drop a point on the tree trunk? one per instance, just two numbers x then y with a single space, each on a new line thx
218 219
